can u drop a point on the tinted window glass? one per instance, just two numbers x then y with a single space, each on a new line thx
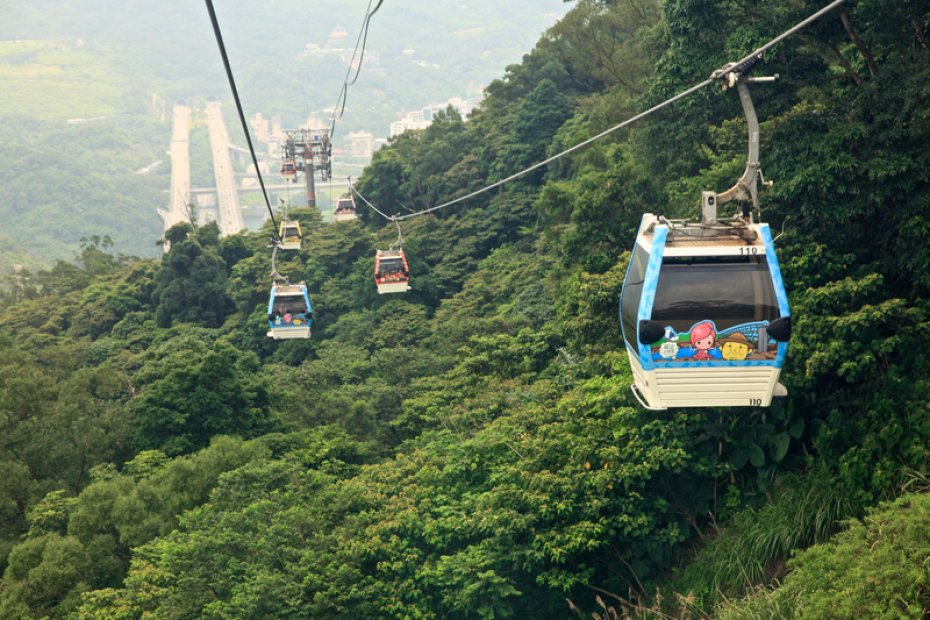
390 265
289 304
728 290
632 293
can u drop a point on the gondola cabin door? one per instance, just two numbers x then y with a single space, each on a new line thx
705 319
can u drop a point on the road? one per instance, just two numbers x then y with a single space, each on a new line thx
227 196
178 210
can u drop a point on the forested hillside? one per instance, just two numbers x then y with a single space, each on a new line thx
472 449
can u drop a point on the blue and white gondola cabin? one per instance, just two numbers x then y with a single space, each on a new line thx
705 316
290 314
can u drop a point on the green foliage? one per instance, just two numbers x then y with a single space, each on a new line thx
471 449
44 577
190 286
875 568
197 392
47 573
753 546
51 514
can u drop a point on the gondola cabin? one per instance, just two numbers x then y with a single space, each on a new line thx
704 315
290 314
391 272
288 168
345 209
289 235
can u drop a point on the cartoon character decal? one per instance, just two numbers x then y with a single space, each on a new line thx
735 347
705 343
669 348
703 336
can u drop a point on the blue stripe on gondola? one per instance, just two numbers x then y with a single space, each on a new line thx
774 269
307 300
719 364
779 283
650 283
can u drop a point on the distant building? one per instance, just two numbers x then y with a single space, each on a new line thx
412 120
421 119
313 122
359 144
277 134
261 126
337 37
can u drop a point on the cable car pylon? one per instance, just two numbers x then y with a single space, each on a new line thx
704 312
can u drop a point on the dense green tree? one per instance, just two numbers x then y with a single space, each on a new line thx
190 284
197 392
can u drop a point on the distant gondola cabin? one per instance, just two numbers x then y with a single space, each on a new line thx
391 272
705 318
288 168
290 314
290 235
345 209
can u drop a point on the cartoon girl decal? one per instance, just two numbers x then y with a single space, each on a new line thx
703 335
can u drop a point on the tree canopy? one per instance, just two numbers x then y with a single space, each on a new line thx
472 449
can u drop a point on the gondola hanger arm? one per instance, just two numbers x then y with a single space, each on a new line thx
746 188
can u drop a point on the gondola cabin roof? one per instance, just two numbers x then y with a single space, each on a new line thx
289 290
687 241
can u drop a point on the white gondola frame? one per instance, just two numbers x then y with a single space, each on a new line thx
664 384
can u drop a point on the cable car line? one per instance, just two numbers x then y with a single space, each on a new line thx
245 126
362 40
290 311
739 66
373 207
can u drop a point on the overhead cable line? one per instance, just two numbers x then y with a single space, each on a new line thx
716 75
373 207
360 43
245 126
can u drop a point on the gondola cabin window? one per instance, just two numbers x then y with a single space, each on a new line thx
632 293
715 308
389 266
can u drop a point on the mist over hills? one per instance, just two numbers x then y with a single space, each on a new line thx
86 90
